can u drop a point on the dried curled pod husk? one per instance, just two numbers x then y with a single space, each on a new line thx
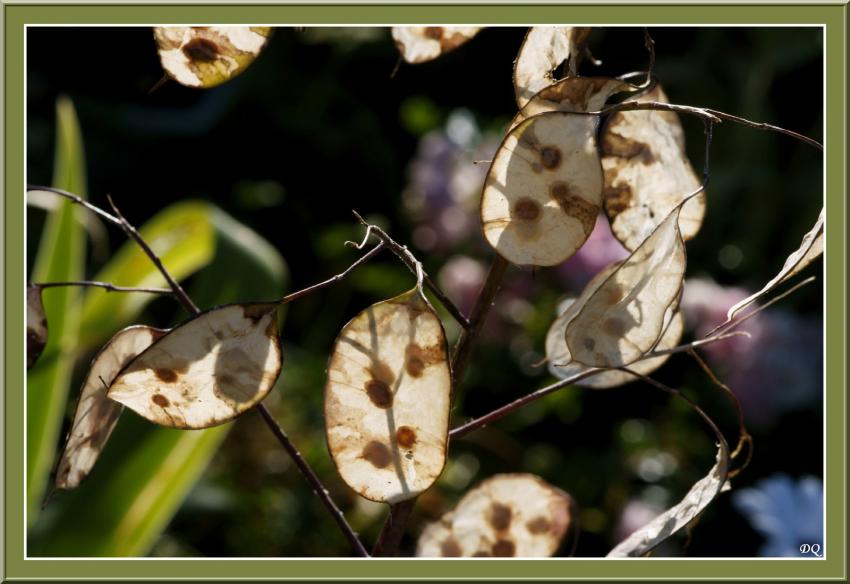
207 371
811 248
206 56
36 325
647 173
573 94
543 50
96 415
387 399
507 515
701 494
418 44
624 317
543 191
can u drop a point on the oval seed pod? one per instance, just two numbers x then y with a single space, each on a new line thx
647 173
206 371
573 94
543 190
542 51
558 355
623 318
418 44
507 515
95 416
387 399
36 325
206 56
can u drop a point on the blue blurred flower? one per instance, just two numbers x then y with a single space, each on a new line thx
786 513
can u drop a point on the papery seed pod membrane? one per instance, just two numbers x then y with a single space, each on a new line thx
507 515
647 173
545 49
573 94
810 249
543 191
678 516
206 56
624 317
95 416
418 44
36 325
387 399
206 371
558 355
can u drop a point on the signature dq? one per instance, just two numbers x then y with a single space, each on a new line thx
813 549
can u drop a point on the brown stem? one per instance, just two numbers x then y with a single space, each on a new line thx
467 338
707 114
190 306
744 437
393 529
511 407
133 234
334 279
105 285
410 261
396 521
313 479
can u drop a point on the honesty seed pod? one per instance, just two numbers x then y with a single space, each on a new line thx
36 325
543 50
647 173
95 416
507 515
543 191
206 56
623 318
206 371
703 492
559 359
573 94
387 399
418 44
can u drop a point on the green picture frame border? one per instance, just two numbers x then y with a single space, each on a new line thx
15 567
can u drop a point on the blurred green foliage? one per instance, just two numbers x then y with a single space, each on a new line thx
317 127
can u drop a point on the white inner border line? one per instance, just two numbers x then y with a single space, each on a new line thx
500 25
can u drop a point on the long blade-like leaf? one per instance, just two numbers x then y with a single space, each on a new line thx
145 471
61 255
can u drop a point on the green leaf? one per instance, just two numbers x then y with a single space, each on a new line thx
61 257
146 471
132 493
246 267
182 235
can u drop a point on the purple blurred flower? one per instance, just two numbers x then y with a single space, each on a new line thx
777 369
786 513
461 278
445 183
600 249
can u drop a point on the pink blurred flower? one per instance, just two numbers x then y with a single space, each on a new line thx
778 369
